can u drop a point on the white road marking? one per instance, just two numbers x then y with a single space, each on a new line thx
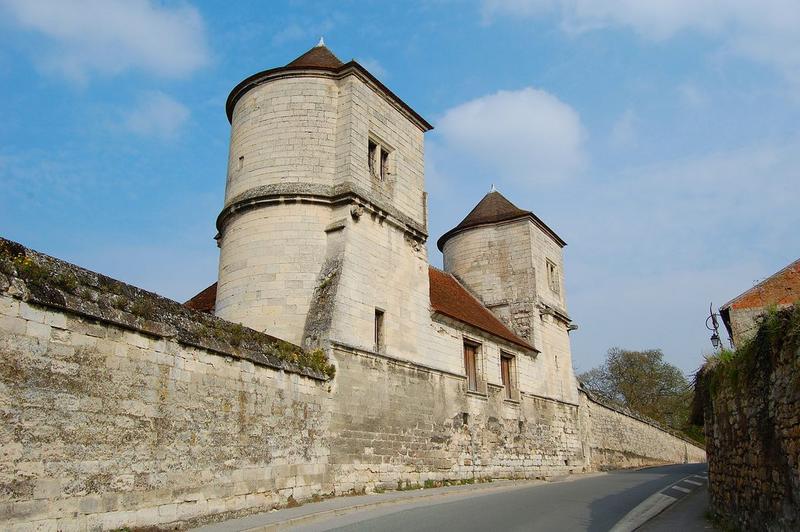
693 482
649 508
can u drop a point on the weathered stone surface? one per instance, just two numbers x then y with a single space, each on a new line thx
752 420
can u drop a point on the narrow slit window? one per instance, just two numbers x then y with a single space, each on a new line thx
507 373
372 150
552 276
384 163
471 366
379 340
240 164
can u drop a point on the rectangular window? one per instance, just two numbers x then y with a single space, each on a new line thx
384 163
372 153
379 342
552 276
471 365
240 164
507 374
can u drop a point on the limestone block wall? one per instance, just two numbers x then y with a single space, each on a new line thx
752 423
270 259
283 131
504 265
363 113
446 346
398 422
395 422
119 408
615 439
382 269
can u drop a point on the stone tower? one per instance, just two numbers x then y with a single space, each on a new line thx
513 262
322 233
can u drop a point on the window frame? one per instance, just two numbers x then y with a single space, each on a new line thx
553 277
379 158
474 377
379 332
508 368
372 149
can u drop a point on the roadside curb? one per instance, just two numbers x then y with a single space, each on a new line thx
415 496
660 501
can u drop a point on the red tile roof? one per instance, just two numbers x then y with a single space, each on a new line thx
205 300
450 298
494 208
781 288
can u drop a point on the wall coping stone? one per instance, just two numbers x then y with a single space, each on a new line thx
43 280
597 399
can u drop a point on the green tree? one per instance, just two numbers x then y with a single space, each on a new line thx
644 382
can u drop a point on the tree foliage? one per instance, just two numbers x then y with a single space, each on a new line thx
644 382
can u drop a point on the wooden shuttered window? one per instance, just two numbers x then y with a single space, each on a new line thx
506 373
470 366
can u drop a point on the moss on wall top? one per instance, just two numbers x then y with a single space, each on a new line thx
43 280
778 332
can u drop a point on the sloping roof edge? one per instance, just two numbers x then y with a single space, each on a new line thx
488 322
761 284
352 66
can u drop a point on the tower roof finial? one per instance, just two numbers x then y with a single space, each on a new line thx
493 189
321 42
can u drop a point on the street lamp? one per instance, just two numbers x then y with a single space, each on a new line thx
714 327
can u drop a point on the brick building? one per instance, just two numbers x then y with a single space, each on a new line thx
779 290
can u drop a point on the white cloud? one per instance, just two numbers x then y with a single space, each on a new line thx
766 31
524 136
112 36
157 115
652 246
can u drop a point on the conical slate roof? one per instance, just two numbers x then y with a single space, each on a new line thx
318 57
494 208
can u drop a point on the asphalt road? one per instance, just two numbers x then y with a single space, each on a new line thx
594 503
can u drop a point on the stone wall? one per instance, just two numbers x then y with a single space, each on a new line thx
504 264
752 422
399 422
616 439
119 408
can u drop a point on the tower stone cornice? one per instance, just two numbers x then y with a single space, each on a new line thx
315 193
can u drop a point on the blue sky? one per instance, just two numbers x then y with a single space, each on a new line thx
659 139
